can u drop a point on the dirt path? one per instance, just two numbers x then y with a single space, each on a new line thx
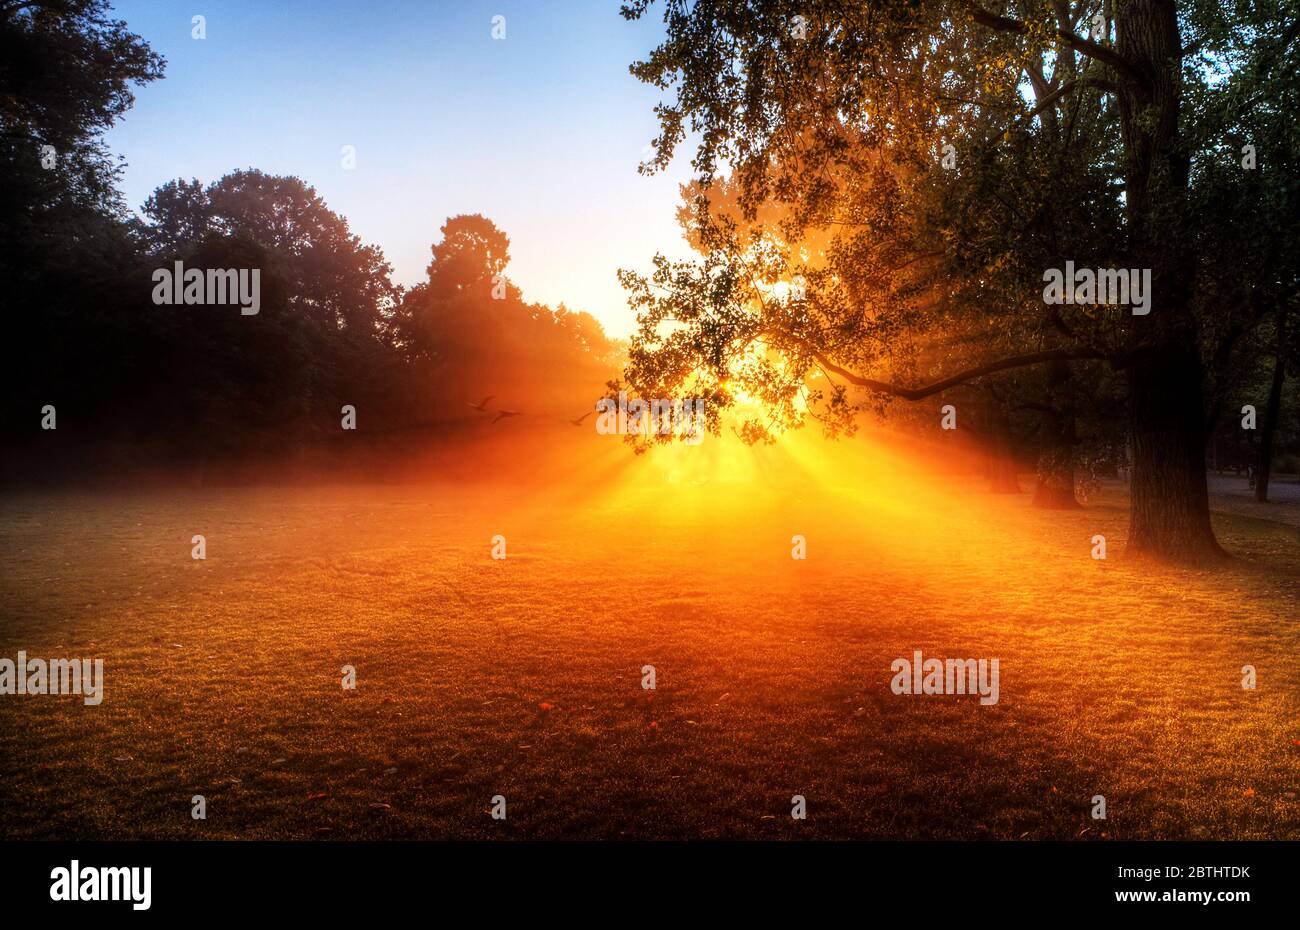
1234 495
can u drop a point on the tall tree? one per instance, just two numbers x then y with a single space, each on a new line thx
1074 128
325 335
467 330
67 72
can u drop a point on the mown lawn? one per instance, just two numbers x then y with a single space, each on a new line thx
523 677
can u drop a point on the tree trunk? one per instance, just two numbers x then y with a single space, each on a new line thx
1055 490
1003 478
1001 456
1269 429
1169 505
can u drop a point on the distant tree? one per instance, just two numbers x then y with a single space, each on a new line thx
179 214
471 253
1245 195
331 274
468 330
324 336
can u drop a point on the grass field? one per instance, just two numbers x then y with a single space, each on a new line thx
522 677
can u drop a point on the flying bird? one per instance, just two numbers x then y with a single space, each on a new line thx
578 422
502 414
481 405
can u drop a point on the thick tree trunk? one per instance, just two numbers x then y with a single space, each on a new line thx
1169 508
1269 429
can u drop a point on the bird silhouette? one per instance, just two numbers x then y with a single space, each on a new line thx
502 414
481 405
578 422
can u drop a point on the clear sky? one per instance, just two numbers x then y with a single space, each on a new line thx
541 131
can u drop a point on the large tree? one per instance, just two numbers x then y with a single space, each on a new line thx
962 149
325 335
67 70
468 332
67 73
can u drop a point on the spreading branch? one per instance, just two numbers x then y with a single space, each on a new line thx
920 393
1093 50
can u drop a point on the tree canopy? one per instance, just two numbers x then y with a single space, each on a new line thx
954 153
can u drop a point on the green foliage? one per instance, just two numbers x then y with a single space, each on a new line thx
828 123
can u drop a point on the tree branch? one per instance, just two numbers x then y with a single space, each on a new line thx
55 5
1084 46
1040 408
919 393
1065 89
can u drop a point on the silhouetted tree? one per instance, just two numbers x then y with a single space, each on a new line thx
1075 139
67 70
468 330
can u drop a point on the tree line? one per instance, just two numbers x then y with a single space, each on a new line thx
135 383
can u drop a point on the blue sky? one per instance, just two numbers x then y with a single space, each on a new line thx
541 132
